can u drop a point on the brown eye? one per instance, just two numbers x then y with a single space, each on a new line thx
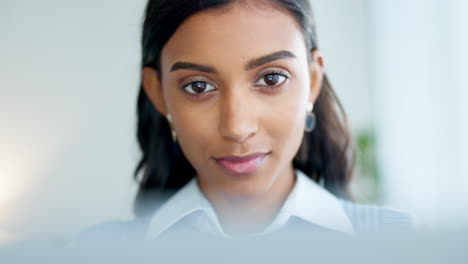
272 79
198 87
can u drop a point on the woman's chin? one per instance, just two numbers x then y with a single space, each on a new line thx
244 190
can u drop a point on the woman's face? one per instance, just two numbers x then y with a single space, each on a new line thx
236 82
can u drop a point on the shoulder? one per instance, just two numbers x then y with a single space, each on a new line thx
371 218
117 231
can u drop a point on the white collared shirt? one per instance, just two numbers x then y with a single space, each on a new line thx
307 201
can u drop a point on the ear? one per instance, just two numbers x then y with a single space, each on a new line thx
153 89
316 75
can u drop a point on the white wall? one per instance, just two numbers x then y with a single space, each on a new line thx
419 81
69 76
460 9
344 41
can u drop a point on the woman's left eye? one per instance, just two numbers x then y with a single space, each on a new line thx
272 79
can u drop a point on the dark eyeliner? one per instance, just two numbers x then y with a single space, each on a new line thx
190 82
284 74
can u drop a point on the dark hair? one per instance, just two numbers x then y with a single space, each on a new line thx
326 154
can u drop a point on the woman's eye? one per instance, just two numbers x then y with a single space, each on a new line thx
272 79
198 87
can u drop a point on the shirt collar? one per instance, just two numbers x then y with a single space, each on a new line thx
311 202
307 200
186 201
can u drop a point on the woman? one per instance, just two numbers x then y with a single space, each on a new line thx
240 130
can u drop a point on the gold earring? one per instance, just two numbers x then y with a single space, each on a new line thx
173 133
310 118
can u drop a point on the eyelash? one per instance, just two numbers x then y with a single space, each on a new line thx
279 73
191 82
273 87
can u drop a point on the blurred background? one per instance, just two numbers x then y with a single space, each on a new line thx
69 75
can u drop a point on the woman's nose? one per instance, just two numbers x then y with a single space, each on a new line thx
238 118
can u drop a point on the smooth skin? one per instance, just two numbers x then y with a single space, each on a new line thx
228 97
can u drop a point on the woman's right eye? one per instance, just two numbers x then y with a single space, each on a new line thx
198 87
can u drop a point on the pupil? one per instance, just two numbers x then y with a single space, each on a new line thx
271 79
198 87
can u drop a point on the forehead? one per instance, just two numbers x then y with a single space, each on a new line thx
234 34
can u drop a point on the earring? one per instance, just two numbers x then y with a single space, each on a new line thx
310 118
173 133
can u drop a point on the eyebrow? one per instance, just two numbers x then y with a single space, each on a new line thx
283 54
252 64
182 65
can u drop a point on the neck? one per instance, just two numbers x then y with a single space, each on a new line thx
255 213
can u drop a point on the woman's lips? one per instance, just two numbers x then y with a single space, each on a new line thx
240 165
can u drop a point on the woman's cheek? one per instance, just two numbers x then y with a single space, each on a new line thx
287 113
195 131
286 124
